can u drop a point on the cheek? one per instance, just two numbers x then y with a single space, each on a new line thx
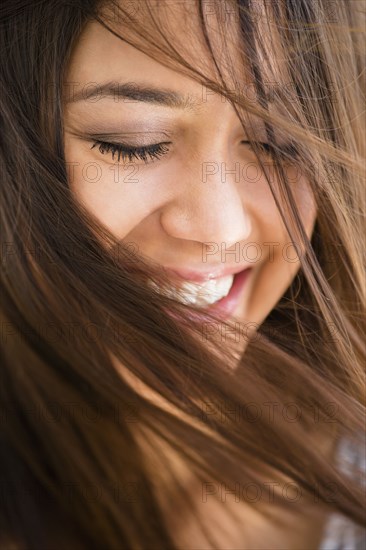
289 254
111 192
266 214
280 262
304 199
287 259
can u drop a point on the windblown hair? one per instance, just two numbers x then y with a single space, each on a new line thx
88 456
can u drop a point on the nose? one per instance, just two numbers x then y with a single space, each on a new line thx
208 207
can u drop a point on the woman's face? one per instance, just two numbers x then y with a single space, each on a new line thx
196 202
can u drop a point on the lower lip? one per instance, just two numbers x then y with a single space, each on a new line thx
228 304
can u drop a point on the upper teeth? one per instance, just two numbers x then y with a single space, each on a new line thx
199 294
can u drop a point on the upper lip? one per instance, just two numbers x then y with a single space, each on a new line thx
200 276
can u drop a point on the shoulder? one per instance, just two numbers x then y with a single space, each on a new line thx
340 532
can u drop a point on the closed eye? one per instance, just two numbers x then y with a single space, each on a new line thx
286 150
147 153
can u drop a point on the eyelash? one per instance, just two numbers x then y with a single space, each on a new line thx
129 152
156 150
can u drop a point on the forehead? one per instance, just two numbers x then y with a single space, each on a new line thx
100 55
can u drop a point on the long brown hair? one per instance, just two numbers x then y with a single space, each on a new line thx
86 457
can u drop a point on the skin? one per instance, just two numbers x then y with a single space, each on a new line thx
171 219
166 206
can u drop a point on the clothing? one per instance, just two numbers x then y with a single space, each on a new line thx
340 533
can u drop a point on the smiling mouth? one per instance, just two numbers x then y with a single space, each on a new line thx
221 292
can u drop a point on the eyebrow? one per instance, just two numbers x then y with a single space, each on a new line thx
135 92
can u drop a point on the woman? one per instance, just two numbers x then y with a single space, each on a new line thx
183 291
